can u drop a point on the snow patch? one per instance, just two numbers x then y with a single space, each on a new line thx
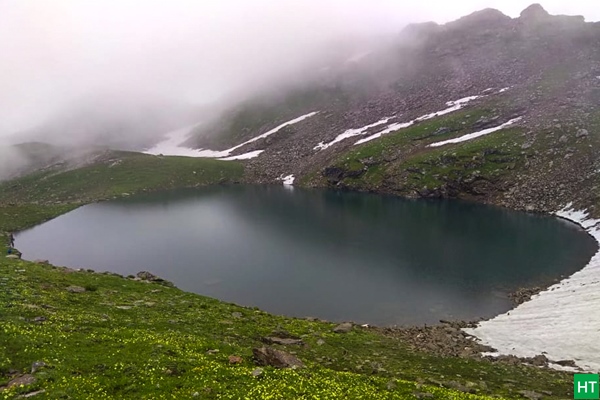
245 156
474 135
561 322
350 133
172 145
452 106
288 180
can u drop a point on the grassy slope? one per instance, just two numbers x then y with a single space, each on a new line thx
121 173
401 162
155 345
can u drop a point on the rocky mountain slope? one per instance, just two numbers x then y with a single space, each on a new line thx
539 71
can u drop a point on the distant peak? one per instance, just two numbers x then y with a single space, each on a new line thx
482 17
534 12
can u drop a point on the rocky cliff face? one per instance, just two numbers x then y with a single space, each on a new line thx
540 68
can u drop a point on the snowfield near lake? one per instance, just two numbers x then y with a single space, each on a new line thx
288 180
562 322
474 135
172 145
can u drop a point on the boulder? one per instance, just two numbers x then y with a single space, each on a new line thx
534 13
582 133
268 356
343 328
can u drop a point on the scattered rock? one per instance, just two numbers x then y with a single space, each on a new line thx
257 372
320 342
582 133
22 380
441 131
42 262
39 320
268 356
214 351
31 394
36 366
563 139
235 360
13 256
150 277
147 276
530 394
343 328
567 363
540 361
237 314
523 295
75 289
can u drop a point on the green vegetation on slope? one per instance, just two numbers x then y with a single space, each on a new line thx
127 339
401 161
119 174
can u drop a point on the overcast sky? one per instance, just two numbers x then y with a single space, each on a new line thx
52 52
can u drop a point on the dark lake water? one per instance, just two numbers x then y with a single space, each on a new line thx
333 255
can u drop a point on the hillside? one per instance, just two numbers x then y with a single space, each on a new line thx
487 108
540 68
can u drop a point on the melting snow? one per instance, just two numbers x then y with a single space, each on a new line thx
452 106
349 133
172 145
245 156
288 180
561 322
474 135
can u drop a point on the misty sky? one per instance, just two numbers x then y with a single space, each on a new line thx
53 52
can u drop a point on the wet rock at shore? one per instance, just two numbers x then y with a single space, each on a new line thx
150 277
343 328
523 295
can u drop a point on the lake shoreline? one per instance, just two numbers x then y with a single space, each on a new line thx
455 346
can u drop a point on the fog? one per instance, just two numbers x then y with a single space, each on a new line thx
57 54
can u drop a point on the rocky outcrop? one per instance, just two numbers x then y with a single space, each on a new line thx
268 356
534 13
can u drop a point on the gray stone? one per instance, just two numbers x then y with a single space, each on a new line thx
530 394
257 372
13 256
22 380
75 289
36 366
268 356
343 328
31 394
582 133
563 139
